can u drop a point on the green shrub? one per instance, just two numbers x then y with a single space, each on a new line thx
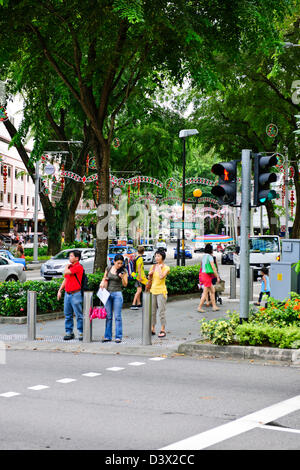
267 335
278 313
221 330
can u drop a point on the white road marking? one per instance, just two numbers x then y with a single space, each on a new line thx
9 394
115 369
66 380
136 363
239 426
92 374
156 358
38 387
279 428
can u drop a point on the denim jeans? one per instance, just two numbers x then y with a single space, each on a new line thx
73 303
114 305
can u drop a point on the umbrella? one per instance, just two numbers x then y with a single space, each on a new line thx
213 238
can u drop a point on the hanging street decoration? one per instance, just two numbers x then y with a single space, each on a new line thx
198 180
271 130
4 178
3 114
116 142
171 184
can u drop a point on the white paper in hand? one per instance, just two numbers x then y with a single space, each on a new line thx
103 295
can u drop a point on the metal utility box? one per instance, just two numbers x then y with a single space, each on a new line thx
290 250
283 280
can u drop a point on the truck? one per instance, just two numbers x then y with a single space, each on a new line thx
263 250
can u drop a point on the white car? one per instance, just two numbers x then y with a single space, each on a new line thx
10 271
55 266
149 254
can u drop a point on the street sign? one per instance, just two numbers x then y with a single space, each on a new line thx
187 225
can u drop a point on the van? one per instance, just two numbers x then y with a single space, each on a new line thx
263 250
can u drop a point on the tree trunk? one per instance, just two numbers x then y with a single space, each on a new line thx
103 157
296 226
272 218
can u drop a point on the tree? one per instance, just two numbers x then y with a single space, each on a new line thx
101 50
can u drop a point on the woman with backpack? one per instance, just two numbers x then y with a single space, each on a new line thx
207 273
139 275
114 279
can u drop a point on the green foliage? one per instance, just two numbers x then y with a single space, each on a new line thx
220 331
278 313
266 335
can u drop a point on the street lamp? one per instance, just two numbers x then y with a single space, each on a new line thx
183 134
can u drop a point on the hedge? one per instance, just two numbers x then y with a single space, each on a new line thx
13 295
265 335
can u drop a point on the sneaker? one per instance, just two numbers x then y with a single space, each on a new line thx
140 306
105 340
69 336
134 307
80 337
118 340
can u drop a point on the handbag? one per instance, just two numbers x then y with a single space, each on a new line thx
149 282
220 286
97 312
208 268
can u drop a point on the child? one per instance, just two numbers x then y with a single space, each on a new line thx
265 285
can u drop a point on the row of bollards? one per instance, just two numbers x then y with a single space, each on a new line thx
87 323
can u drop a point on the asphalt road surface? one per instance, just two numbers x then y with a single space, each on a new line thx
119 402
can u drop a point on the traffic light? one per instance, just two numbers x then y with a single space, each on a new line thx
225 190
263 178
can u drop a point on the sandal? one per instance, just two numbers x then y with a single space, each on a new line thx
153 332
162 334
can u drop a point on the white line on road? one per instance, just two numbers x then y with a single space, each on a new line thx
279 428
136 363
38 387
9 394
92 374
156 358
66 380
239 426
115 369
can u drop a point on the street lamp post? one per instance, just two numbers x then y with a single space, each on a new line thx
183 134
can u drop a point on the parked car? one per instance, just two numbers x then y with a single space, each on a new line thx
199 247
10 271
8 255
128 252
161 244
187 254
227 255
149 254
55 266
6 241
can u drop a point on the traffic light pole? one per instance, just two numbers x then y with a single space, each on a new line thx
245 231
183 202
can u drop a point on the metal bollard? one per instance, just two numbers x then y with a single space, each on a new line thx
232 294
251 277
146 319
87 324
31 315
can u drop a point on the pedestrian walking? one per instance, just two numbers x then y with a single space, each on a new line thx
265 285
158 274
73 296
139 275
208 271
20 250
114 280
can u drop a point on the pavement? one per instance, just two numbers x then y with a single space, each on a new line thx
182 326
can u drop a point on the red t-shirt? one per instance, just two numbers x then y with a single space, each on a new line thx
72 283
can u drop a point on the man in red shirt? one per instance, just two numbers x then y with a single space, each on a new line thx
73 296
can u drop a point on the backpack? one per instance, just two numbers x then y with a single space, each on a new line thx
131 268
84 282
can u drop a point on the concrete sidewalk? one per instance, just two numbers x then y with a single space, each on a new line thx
182 326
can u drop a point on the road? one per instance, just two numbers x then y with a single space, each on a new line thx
55 400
